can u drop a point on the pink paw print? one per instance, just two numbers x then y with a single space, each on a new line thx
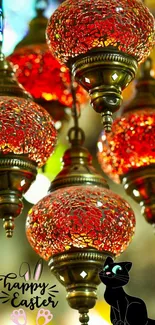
19 317
44 313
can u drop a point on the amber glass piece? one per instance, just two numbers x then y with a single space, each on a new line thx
78 26
26 129
80 217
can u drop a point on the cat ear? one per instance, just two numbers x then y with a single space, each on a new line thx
128 266
109 260
38 270
24 271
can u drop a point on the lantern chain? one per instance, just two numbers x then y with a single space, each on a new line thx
1 25
76 135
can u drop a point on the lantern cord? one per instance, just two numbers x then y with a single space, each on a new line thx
1 25
74 106
76 135
41 6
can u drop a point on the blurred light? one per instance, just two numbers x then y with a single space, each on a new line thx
17 5
18 13
53 165
100 146
38 189
94 319
103 309
10 39
58 125
42 183
51 8
136 193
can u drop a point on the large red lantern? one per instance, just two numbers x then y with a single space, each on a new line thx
80 217
78 225
103 41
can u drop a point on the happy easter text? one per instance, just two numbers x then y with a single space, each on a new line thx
37 290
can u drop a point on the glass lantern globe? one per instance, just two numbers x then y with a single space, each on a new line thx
26 129
130 145
44 77
80 217
78 26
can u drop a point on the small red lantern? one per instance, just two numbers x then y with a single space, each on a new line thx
127 154
44 77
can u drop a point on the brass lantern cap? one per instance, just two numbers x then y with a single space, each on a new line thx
104 73
77 170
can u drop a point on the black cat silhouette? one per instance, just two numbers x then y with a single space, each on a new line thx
125 309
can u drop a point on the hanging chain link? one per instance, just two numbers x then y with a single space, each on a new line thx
76 134
1 25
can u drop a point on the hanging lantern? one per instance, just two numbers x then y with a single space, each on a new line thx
42 75
127 154
78 225
103 42
27 139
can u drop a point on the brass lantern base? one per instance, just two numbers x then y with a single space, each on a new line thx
104 73
16 175
78 272
140 185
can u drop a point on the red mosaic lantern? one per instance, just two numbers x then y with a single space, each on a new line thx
26 129
80 217
44 77
27 139
130 145
102 41
79 224
127 154
78 26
